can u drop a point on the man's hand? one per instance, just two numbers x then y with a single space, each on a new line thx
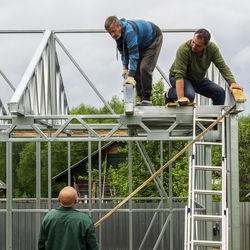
130 80
124 73
234 85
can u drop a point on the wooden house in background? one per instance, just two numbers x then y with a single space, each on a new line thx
110 155
2 189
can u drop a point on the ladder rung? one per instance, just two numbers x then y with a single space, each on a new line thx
207 243
204 217
208 143
208 168
213 192
206 120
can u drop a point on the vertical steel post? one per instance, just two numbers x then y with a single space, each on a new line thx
130 191
38 188
69 160
49 176
100 190
233 182
171 231
89 177
161 164
53 74
9 196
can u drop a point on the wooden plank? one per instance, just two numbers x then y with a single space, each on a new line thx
238 95
176 104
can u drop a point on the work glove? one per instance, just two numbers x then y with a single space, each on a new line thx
124 73
130 80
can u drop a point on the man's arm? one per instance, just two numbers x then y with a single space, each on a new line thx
181 65
42 239
91 238
224 69
180 88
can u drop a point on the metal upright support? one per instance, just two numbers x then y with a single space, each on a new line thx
100 189
130 191
49 176
233 183
171 231
9 196
69 163
53 72
38 187
89 178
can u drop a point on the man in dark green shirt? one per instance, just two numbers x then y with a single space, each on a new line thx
187 74
66 228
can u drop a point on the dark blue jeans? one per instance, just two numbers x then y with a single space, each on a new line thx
205 87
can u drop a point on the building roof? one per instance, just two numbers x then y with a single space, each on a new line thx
2 185
80 163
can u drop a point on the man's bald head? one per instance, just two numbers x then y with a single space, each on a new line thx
67 197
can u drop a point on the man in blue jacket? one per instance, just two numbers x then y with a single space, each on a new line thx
139 43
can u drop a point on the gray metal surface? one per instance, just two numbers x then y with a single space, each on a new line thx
116 237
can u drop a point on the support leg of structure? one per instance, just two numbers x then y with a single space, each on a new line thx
130 191
9 196
233 183
38 188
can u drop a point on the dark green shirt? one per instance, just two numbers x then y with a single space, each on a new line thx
189 65
67 229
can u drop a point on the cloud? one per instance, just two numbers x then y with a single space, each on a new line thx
228 20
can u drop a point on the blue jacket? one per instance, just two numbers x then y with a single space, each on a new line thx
136 35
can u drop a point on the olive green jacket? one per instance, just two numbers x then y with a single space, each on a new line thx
190 66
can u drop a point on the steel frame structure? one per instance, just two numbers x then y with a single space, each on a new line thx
38 112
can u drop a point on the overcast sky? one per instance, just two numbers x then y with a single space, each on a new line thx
229 22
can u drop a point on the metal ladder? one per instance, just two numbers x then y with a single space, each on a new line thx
195 194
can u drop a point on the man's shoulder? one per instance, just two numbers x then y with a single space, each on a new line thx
184 47
212 46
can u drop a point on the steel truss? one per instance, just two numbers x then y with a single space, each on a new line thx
39 113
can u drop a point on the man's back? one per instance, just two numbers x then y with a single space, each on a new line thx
67 229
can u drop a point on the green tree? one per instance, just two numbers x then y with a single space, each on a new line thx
244 156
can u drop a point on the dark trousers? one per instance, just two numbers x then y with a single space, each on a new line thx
205 87
146 64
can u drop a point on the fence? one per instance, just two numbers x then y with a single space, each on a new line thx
114 233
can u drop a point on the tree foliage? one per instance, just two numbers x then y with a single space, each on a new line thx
24 159
244 156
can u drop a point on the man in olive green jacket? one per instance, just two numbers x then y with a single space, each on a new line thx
66 228
187 74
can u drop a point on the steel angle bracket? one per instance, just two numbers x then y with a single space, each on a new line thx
184 119
130 120
4 136
158 135
22 120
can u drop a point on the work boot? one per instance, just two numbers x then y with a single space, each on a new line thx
166 98
146 103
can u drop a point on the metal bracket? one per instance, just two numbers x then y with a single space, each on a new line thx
181 118
158 135
22 120
4 136
130 120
